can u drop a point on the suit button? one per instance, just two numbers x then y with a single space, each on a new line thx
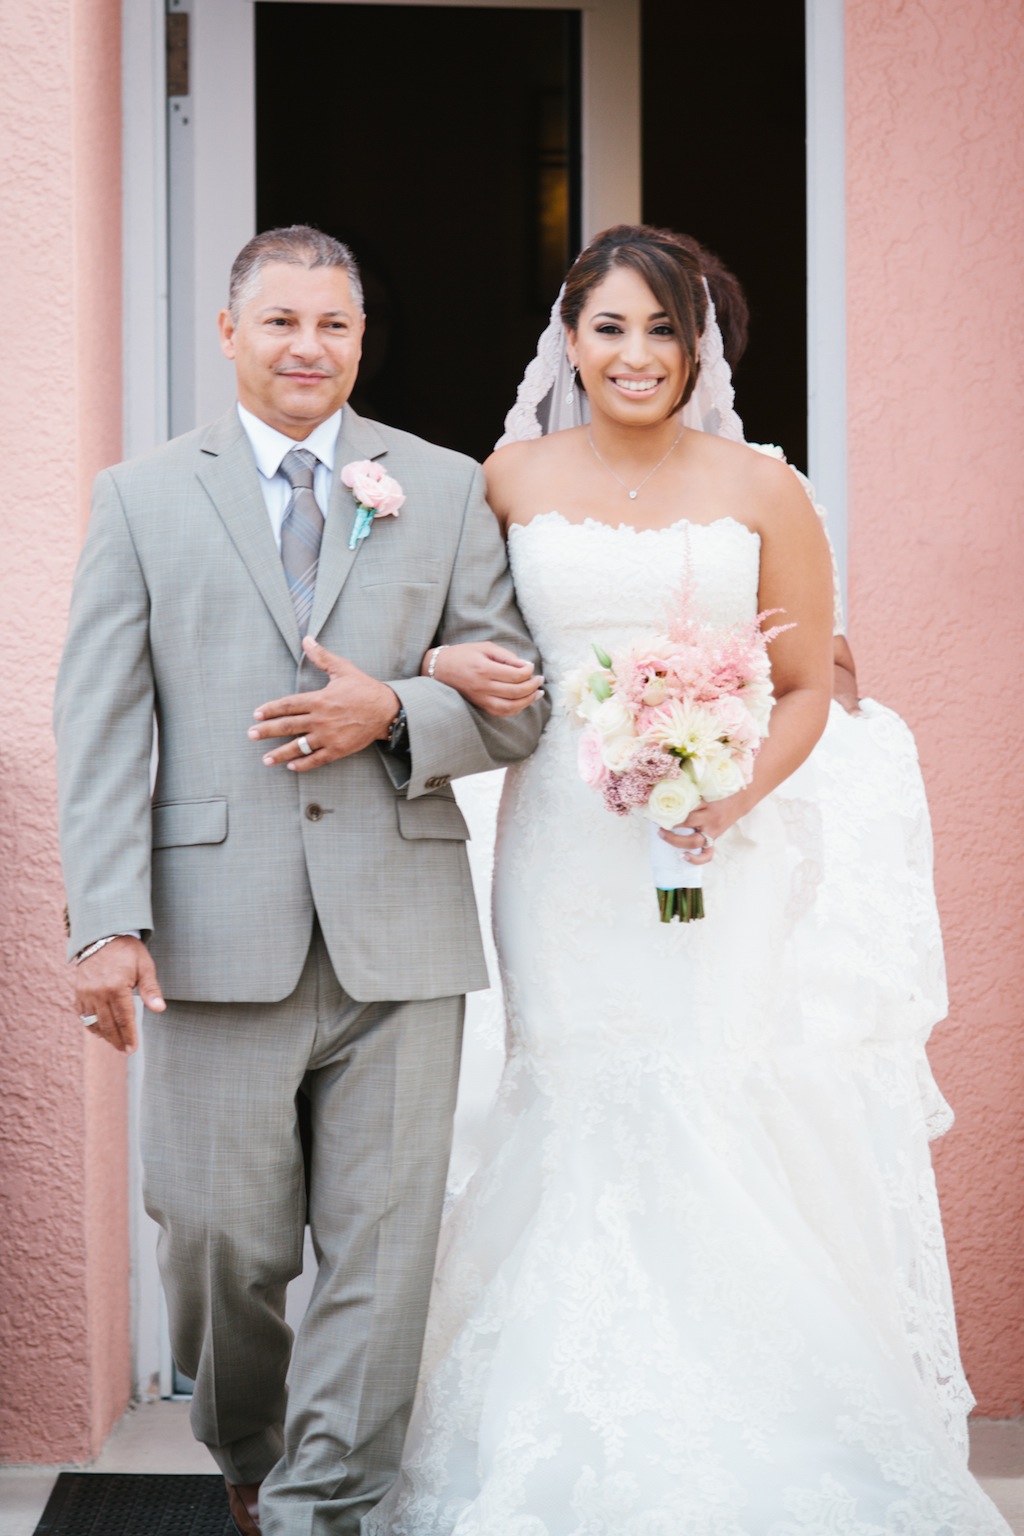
314 812
438 782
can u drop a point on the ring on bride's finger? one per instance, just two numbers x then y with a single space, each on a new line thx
709 842
89 1019
304 746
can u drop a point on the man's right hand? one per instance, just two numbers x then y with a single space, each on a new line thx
104 985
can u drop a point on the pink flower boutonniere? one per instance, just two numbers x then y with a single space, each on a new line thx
376 494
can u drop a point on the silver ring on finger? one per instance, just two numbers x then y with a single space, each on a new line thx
304 747
89 1019
709 842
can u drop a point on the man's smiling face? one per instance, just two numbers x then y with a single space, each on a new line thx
296 345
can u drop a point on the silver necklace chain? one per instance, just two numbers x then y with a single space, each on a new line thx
635 491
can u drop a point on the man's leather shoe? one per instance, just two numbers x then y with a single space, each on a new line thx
244 1504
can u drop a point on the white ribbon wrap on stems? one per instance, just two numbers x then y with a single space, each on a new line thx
671 868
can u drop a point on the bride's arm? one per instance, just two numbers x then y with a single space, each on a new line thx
496 680
844 676
796 577
489 676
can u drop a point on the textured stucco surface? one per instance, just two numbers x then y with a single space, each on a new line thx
935 208
64 1361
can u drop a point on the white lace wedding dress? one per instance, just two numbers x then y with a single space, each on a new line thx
696 1285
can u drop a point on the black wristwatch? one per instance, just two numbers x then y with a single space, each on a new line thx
398 730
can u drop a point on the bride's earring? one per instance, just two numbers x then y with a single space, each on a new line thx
570 397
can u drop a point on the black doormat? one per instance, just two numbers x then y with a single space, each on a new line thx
136 1504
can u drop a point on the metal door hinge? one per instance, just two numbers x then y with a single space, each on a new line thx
177 53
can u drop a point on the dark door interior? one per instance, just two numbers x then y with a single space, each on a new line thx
724 159
447 156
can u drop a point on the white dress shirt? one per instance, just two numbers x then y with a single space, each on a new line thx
270 446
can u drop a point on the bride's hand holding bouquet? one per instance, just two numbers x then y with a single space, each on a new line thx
672 731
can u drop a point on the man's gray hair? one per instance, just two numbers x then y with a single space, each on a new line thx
299 245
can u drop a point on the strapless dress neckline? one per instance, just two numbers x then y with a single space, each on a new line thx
599 523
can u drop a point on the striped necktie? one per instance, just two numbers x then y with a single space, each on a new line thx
301 532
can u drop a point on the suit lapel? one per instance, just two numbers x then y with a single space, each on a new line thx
359 439
229 474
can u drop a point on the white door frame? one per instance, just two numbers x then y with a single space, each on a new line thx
826 265
144 224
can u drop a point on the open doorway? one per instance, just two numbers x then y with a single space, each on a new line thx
454 174
724 158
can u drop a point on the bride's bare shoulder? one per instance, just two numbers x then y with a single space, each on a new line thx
740 458
752 470
519 471
515 460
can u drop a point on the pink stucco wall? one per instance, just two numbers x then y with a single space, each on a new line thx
64 1302
935 156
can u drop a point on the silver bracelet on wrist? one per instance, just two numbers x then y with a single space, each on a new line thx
92 949
432 663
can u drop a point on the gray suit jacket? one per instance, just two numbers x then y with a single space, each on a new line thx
181 613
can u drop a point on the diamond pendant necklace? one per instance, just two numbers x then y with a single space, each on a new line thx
634 493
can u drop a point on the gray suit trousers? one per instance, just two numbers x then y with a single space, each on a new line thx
224 1179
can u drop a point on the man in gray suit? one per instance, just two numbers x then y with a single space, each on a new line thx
295 913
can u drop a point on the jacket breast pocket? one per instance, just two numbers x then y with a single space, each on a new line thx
431 816
180 823
421 571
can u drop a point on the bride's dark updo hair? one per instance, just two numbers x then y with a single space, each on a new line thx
731 308
671 270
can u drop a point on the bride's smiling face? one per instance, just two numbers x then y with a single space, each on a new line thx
631 363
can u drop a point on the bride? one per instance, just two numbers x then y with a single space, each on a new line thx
671 1301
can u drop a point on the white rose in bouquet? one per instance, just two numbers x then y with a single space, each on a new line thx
612 717
579 700
721 774
671 801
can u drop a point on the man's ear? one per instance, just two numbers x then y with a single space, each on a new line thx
226 327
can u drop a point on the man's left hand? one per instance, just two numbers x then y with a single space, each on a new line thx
347 714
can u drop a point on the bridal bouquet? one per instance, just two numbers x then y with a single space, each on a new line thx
670 724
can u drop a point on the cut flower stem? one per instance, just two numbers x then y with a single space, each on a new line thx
685 903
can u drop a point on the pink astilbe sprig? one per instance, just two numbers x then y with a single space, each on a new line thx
726 660
768 635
